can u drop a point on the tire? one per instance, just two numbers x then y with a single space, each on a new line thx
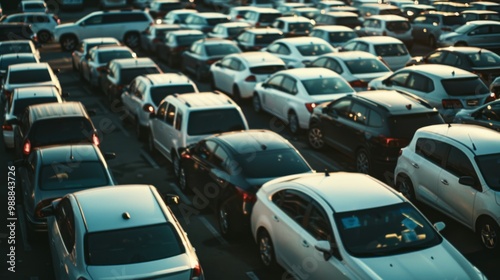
363 162
199 75
293 123
68 42
432 41
266 249
176 164
236 94
132 40
315 137
257 106
44 36
226 221
488 231
183 181
405 187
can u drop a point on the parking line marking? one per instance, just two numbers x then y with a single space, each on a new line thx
119 125
184 198
149 159
213 230
252 275
334 167
24 230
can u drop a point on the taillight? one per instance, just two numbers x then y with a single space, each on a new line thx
391 141
102 69
148 108
310 107
257 24
7 127
246 196
27 147
95 139
239 17
178 49
211 61
256 48
251 78
196 273
451 104
358 83
491 97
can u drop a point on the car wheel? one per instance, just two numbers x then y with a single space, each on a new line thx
176 164
266 248
293 123
257 107
236 94
315 137
44 36
68 42
132 40
151 143
362 162
405 187
432 41
183 181
226 221
488 231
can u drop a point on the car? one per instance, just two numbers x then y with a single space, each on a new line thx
428 26
485 5
387 25
184 119
71 5
336 35
41 23
228 30
453 168
112 4
204 21
159 8
477 33
144 94
446 88
121 72
389 119
348 19
236 13
176 43
471 15
325 5
123 25
298 52
308 12
237 74
236 164
261 17
39 6
95 63
292 94
255 39
293 26
411 11
53 124
84 47
177 16
349 226
17 31
484 63
15 58
19 46
391 50
155 35
28 75
451 7
203 53
487 115
54 171
400 3
368 10
286 8
130 227
17 103
356 67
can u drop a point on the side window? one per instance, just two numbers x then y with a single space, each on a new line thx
350 46
178 121
362 47
132 87
491 112
482 30
437 57
219 157
317 223
235 65
342 107
400 78
375 119
419 82
94 20
334 66
320 62
169 119
206 149
283 50
274 48
293 203
141 89
358 113
66 223
453 60
162 111
226 62
275 82
432 150
30 168
459 164
289 85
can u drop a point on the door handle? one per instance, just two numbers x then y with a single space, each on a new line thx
305 244
415 165
276 218
444 181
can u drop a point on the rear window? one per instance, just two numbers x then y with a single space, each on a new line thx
267 38
188 39
268 18
29 76
391 12
464 87
15 48
169 6
300 26
404 126
64 175
215 21
128 74
5 63
453 20
398 26
61 130
272 163
314 49
133 245
268 69
391 50
327 86
233 31
21 104
214 121
361 66
484 59
159 93
347 21
105 57
222 49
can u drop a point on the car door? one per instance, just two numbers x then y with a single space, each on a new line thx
200 169
285 99
270 88
421 27
190 57
92 27
232 71
127 97
333 122
221 73
171 135
355 131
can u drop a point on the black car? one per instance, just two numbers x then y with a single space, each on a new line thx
17 31
227 169
370 126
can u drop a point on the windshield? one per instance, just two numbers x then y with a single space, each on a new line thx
127 75
15 48
464 87
489 166
133 245
404 126
391 50
105 57
67 175
465 28
398 26
385 231
61 130
159 93
29 76
204 122
21 104
314 49
331 85
364 66
300 26
272 163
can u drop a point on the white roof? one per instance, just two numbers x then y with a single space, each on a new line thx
27 66
311 73
389 17
294 19
378 40
101 39
351 55
302 40
259 58
441 71
334 28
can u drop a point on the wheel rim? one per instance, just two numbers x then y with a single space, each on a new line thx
293 123
256 103
69 43
266 250
316 138
223 219
362 164
182 180
405 189
488 236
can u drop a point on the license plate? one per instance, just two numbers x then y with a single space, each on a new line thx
472 102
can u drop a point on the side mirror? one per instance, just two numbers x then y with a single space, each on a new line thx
46 208
439 226
467 180
171 199
109 156
328 249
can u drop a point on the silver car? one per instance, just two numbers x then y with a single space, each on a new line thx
487 115
478 33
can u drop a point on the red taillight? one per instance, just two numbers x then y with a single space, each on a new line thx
102 69
7 127
239 17
446 28
27 147
148 108
211 61
391 141
185 155
246 196
358 83
251 78
451 104
400 152
491 97
95 139
310 107
196 273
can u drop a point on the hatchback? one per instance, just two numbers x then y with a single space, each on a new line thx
387 25
478 33
411 11
205 21
454 169
487 115
37 6
350 226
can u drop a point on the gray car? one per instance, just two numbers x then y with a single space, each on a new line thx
487 115
478 33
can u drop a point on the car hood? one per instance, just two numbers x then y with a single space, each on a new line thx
178 267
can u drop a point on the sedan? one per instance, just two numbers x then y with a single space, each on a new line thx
350 226
19 46
86 45
233 166
124 232
487 115
291 95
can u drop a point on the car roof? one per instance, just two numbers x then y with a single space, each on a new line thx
341 14
483 22
17 55
29 66
203 100
216 41
270 30
294 19
311 73
183 11
259 58
343 191
302 40
464 49
251 141
110 48
133 62
485 12
167 78
395 102
36 91
350 55
166 26
331 28
265 10
480 140
440 71
100 40
211 15
389 17
378 40
16 42
70 154
186 32
139 201
380 6
57 110
234 24
422 6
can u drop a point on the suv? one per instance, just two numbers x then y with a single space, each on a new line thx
85 46
159 8
41 23
454 169
182 120
388 120
145 93
51 124
125 25
261 17
387 25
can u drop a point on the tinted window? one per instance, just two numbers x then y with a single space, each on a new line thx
453 20
72 175
463 87
66 223
327 86
391 50
314 49
188 40
268 18
268 69
5 63
105 57
404 126
484 59
214 21
127 75
366 66
267 38
293 203
223 49
133 245
489 166
272 163
21 104
432 150
317 223
398 25
29 76
300 26
459 164
15 48
60 130
159 93
214 121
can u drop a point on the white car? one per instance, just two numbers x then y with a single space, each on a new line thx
7 60
124 232
387 25
79 54
41 23
392 51
298 52
28 75
177 16
350 226
228 30
336 35
454 169
19 46
291 95
356 67
237 74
